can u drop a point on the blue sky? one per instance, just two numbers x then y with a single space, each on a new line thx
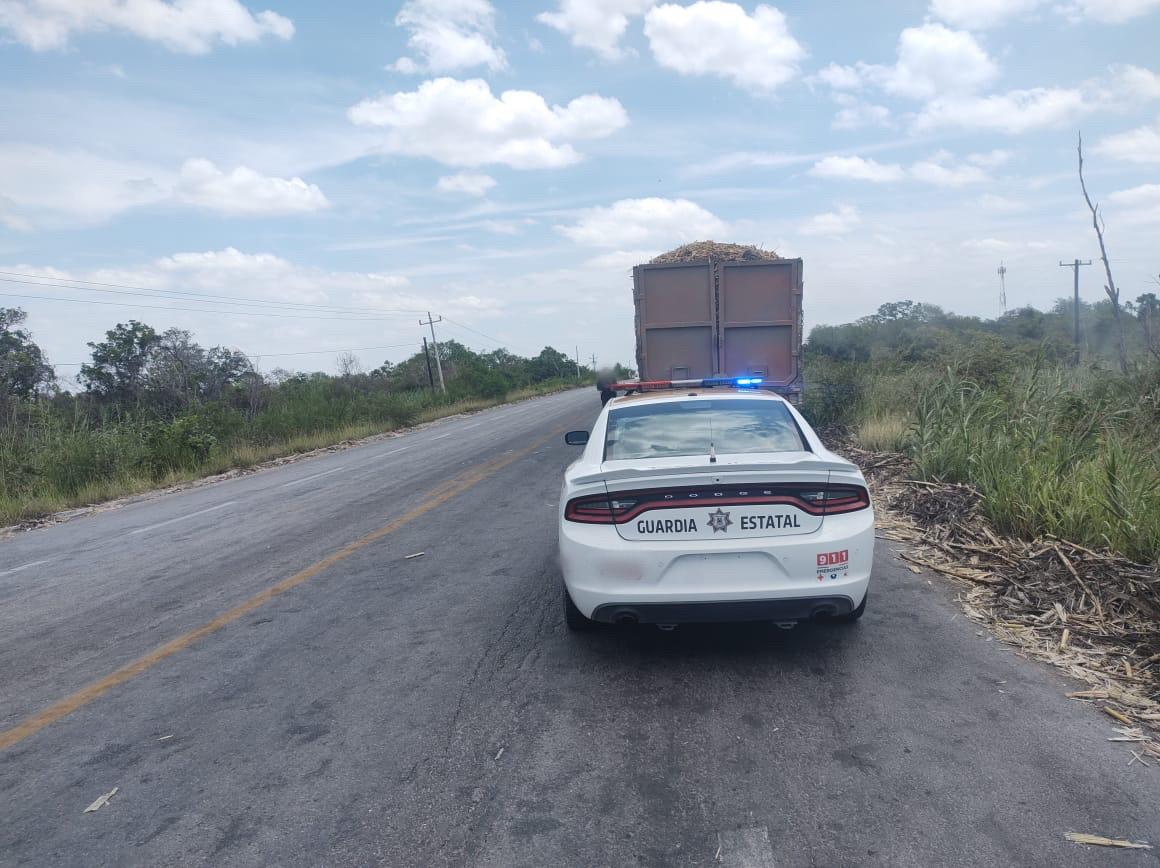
504 164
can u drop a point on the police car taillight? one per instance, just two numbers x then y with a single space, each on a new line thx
598 509
837 499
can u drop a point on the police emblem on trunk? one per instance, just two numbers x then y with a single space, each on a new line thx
719 520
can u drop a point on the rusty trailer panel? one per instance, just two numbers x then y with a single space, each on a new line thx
720 318
759 323
676 320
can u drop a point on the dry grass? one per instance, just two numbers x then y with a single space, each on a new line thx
884 432
1093 614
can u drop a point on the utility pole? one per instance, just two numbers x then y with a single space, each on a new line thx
438 362
1003 286
430 373
577 361
1074 266
594 363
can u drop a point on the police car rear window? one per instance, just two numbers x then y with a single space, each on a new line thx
680 428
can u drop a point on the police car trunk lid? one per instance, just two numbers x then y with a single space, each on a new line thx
736 497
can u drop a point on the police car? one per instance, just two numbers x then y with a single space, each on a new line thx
711 500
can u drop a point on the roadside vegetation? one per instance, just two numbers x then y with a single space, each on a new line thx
1055 444
155 408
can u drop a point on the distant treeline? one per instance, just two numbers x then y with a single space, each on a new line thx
155 406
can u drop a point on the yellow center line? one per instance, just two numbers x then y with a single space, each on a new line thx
66 706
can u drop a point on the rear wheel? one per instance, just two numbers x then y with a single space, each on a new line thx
851 617
573 617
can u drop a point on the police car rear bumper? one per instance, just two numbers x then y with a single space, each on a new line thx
798 609
774 578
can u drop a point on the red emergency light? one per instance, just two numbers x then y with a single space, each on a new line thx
705 383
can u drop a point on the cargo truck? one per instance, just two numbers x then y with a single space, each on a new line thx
717 311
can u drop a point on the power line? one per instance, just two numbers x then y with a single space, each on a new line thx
494 340
127 289
273 355
304 315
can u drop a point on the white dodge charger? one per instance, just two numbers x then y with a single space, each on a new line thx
706 503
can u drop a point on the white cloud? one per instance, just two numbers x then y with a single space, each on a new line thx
1141 145
939 171
262 274
1005 245
50 186
460 123
857 169
990 159
485 306
466 183
449 35
1001 204
985 14
643 222
1126 84
711 37
1138 204
190 26
595 24
933 60
842 221
1016 111
620 260
840 77
244 192
1109 11
981 14
856 115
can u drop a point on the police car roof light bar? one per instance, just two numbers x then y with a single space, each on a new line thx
705 383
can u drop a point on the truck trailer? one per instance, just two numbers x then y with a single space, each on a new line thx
711 310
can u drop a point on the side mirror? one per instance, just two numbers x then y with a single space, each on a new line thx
576 438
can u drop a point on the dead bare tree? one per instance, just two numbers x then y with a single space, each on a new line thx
1110 287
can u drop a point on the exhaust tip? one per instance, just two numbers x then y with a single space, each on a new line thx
822 613
625 618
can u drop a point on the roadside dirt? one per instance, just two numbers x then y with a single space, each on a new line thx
1092 614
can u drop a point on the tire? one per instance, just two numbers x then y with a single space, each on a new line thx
574 618
851 617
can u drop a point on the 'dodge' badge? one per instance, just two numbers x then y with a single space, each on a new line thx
719 520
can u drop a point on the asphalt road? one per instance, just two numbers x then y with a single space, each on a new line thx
268 680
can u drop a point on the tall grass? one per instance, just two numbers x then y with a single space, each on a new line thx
1053 451
50 462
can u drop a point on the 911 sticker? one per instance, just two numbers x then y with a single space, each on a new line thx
833 565
830 559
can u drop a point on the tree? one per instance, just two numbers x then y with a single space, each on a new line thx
24 372
1147 309
349 365
1110 288
179 371
118 368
